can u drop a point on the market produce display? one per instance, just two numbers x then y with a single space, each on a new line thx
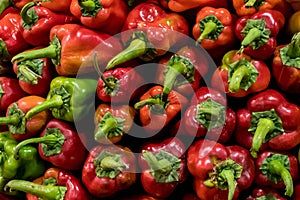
149 99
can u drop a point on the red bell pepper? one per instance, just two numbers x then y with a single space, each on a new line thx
268 120
70 49
258 33
55 184
34 75
56 5
265 193
20 3
10 92
21 128
241 75
297 192
214 29
181 5
154 113
37 22
208 116
98 14
108 170
59 144
112 122
11 39
286 67
148 32
277 170
163 167
182 71
219 172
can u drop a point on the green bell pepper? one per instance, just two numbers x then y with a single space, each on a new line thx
28 166
68 98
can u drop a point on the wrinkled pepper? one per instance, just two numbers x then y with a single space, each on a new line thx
269 120
59 144
28 167
258 33
35 75
11 39
208 116
112 122
68 99
277 170
163 167
10 92
148 32
154 113
70 47
55 184
109 170
98 14
182 71
241 75
266 193
37 22
220 172
214 29
20 127
286 66
181 5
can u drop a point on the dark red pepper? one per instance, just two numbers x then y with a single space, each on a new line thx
266 193
268 120
209 116
163 167
59 144
258 33
277 170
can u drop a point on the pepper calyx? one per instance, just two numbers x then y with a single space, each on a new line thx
210 27
30 70
112 81
54 147
268 196
15 112
90 8
290 54
29 15
254 3
4 54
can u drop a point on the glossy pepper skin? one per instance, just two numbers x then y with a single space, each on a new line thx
27 167
220 172
286 66
56 184
98 14
214 29
10 91
148 32
108 170
34 76
277 170
155 113
70 47
163 167
37 22
68 99
209 116
56 5
59 144
181 5
21 128
269 120
265 192
112 122
11 39
240 75
258 32
183 71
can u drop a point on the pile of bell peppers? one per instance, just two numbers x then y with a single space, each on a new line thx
149 99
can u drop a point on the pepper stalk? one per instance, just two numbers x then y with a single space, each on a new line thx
211 27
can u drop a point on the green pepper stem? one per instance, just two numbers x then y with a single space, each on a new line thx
250 3
3 5
54 102
231 182
10 120
49 192
264 126
238 75
136 48
29 74
162 165
27 19
294 46
110 124
48 139
252 35
88 5
149 101
209 28
108 163
276 167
